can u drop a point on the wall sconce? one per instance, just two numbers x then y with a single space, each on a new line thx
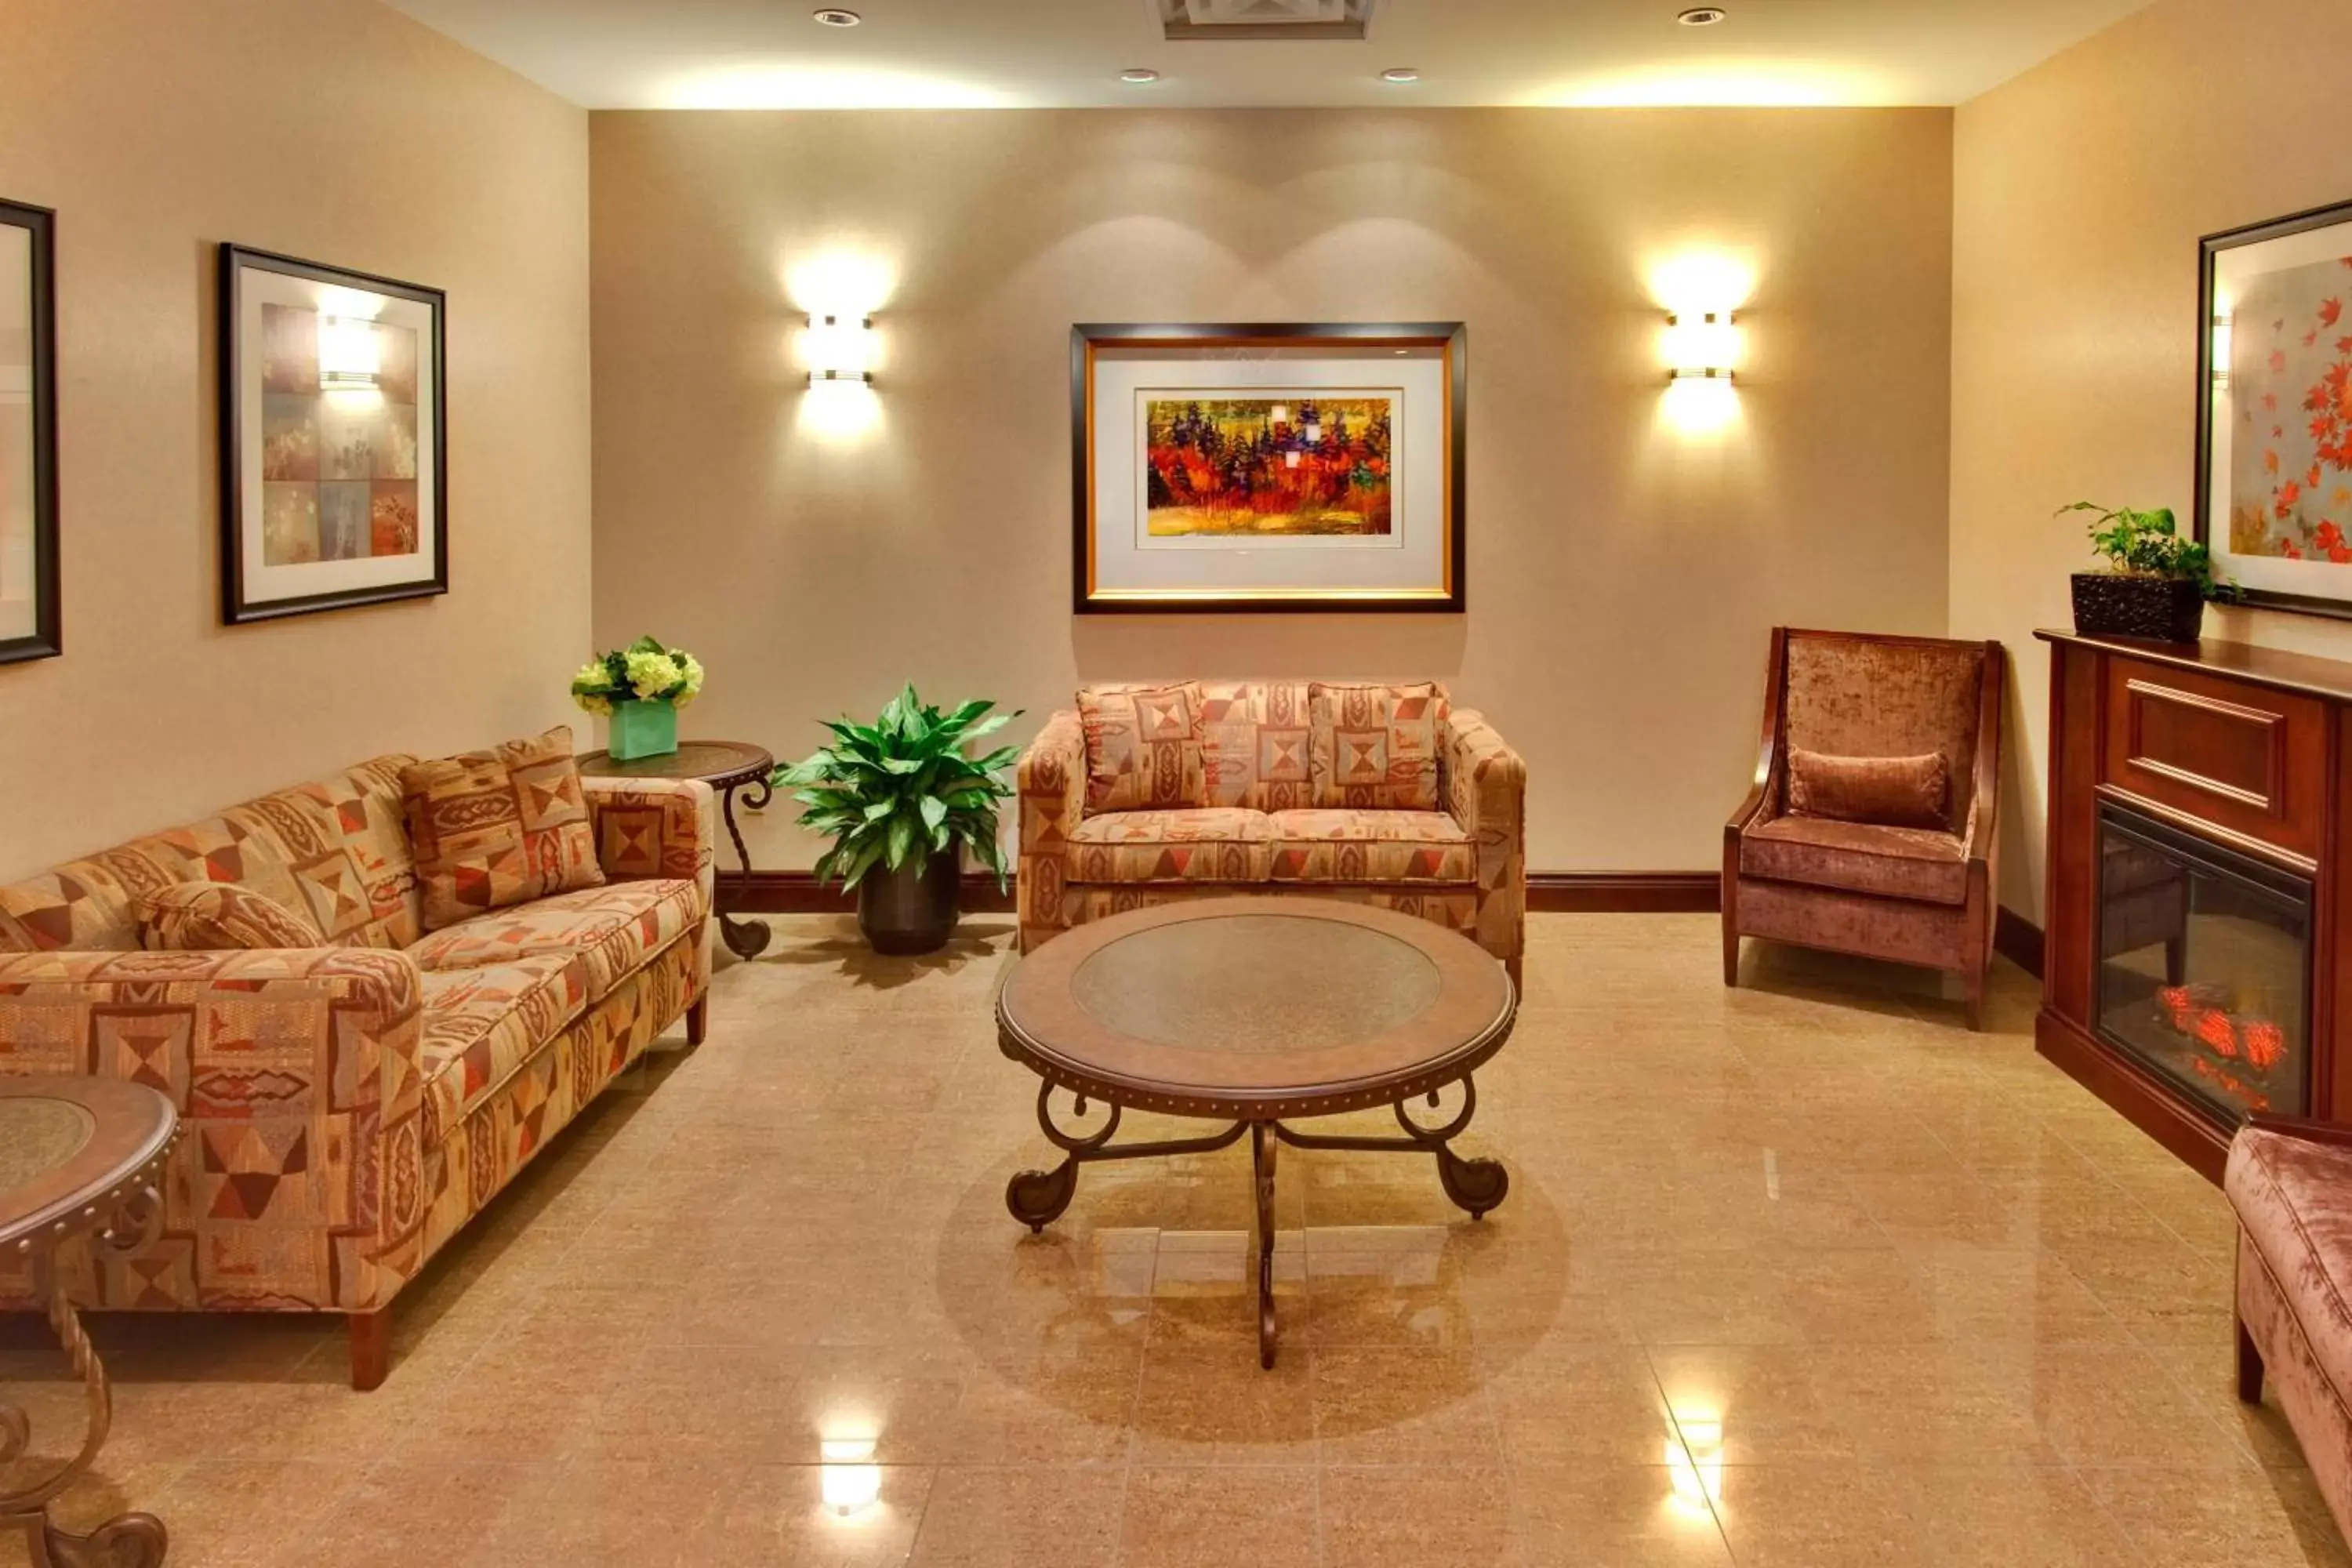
348 359
2221 349
849 1478
839 350
1702 348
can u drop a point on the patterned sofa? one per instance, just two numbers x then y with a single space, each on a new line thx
1277 820
347 1109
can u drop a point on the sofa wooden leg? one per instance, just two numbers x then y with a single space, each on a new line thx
1975 994
697 1020
371 1348
1730 956
2250 1366
1512 967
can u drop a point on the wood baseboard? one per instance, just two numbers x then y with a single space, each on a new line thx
2018 940
1549 892
1625 892
799 893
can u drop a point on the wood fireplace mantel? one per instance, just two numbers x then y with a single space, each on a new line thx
2243 748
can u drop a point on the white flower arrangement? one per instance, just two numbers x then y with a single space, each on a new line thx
645 671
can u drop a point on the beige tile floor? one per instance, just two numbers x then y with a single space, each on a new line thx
1802 1273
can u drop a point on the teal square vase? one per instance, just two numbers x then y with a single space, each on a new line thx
643 730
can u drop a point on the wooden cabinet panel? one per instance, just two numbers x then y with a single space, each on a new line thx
2248 759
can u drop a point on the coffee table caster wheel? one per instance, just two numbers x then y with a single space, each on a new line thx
1036 1198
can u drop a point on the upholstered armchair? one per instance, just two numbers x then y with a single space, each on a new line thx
1870 827
2289 1182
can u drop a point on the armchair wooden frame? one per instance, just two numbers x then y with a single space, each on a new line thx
1971 956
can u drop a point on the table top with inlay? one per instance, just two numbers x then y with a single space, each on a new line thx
1255 1008
67 1146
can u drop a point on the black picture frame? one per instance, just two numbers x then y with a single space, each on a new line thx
47 639
237 607
2209 250
1452 338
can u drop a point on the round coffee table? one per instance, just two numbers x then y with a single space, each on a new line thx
80 1163
1256 1011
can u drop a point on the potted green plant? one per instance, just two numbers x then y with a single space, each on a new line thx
902 801
2156 582
640 688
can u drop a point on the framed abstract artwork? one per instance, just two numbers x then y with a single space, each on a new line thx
2274 410
29 608
334 450
1277 466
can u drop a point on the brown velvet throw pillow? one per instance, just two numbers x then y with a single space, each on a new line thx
1890 791
217 917
499 826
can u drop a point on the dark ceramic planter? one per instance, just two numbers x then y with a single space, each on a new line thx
2166 609
907 911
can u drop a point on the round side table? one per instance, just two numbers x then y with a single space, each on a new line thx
726 766
81 1160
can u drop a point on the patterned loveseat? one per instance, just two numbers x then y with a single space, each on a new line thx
1300 791
347 1109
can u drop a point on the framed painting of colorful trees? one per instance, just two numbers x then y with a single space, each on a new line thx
2274 410
334 453
1271 467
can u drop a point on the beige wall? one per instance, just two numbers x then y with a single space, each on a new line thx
2080 190
1621 577
339 131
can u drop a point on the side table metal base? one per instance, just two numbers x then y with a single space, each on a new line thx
747 940
1038 1198
126 1541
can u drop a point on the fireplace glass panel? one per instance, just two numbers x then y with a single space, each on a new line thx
2204 966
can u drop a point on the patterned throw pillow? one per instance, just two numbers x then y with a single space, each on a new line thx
497 827
214 917
1143 748
1374 748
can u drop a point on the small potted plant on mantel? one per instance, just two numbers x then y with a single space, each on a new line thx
902 801
2156 582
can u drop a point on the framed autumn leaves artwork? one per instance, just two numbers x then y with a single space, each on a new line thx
2274 410
334 454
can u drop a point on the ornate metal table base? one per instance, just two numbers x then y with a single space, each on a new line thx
1038 1198
126 1541
747 940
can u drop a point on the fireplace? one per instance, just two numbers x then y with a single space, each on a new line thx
2197 962
2204 966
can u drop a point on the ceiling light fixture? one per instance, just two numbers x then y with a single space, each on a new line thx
1401 76
1702 17
1139 76
833 17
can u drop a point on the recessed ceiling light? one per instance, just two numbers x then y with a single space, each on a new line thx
1139 76
1703 16
1401 75
833 17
